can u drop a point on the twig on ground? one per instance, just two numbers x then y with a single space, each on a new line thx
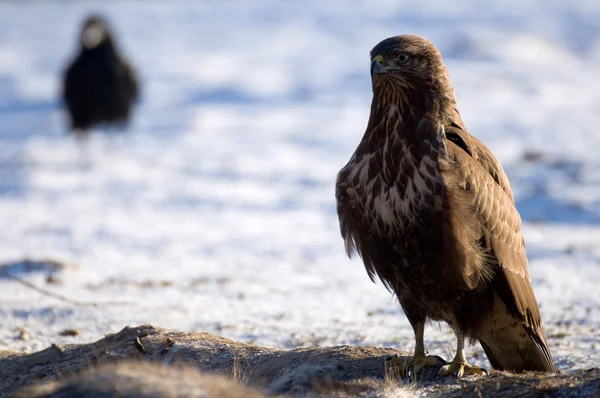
57 295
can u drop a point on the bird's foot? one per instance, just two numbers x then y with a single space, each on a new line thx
424 361
397 367
460 369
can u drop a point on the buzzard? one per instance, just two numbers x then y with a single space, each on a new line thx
99 85
431 212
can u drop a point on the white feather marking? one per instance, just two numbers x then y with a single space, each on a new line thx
427 161
391 111
383 208
419 182
364 172
394 196
360 168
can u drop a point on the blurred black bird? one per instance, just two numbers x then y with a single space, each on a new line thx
100 86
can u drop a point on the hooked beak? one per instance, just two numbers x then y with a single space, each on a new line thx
377 66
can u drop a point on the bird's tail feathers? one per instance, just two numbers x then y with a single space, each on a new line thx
513 346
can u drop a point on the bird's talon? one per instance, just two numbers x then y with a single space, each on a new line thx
459 369
418 363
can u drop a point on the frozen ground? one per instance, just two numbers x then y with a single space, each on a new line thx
216 211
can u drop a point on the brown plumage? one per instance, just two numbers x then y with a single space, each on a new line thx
100 86
431 212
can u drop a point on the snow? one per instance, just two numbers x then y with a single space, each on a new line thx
215 211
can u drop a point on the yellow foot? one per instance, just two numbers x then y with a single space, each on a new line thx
396 367
460 369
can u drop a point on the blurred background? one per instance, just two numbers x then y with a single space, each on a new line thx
215 210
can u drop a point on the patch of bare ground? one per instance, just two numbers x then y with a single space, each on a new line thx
141 379
150 362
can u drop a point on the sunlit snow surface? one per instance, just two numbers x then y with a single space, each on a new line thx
216 212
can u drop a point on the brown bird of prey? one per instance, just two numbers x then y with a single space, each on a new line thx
431 212
100 86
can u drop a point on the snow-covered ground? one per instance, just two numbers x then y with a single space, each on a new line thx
215 212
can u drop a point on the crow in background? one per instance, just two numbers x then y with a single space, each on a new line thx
100 86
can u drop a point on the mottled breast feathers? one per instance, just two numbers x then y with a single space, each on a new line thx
391 187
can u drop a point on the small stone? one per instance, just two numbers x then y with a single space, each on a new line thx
24 334
69 333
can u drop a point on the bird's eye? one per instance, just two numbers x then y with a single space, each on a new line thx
403 58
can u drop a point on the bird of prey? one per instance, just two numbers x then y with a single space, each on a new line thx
431 212
100 86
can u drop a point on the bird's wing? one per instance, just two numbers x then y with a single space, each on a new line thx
72 86
132 81
488 195
69 84
481 154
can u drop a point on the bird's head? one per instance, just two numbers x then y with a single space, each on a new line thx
94 33
409 69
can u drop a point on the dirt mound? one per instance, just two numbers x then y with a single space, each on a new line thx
150 362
